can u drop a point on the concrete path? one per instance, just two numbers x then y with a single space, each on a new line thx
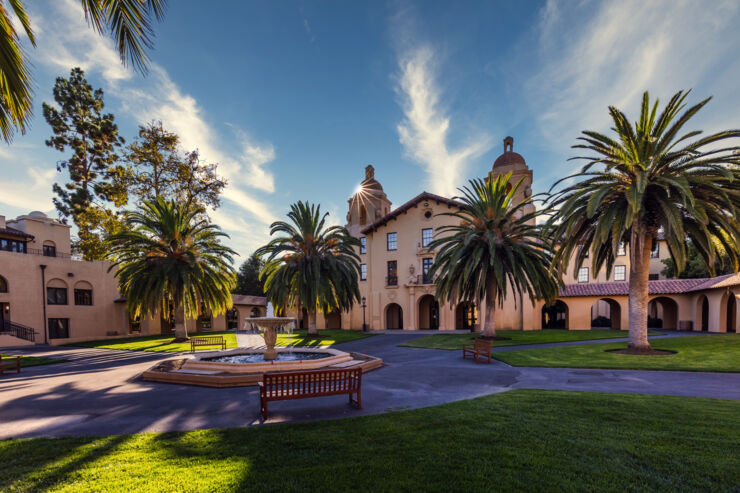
98 391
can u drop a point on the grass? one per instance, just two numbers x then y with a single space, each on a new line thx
163 343
523 440
27 361
719 353
516 338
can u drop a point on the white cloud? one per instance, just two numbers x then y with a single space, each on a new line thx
30 193
424 132
621 50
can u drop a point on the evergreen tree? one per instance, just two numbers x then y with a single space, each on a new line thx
79 124
248 278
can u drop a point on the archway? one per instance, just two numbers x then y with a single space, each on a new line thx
466 315
555 316
702 313
334 320
428 312
606 313
232 319
663 313
730 318
393 316
303 320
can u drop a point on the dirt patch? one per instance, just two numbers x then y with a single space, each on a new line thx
169 365
642 352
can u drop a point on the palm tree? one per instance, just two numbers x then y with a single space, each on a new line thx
310 265
129 22
167 256
496 247
649 178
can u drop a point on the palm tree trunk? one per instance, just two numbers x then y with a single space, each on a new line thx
489 330
181 323
640 247
312 330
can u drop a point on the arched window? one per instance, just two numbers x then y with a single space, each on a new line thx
49 249
363 215
83 293
255 312
3 285
56 292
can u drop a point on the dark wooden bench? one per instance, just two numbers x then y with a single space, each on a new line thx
283 386
481 349
207 341
10 364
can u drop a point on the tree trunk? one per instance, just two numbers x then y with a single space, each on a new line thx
489 330
312 330
640 246
181 323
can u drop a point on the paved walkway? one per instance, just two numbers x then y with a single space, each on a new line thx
98 391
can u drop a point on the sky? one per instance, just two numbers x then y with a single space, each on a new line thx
294 99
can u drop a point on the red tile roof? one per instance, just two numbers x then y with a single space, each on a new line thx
15 232
408 205
664 286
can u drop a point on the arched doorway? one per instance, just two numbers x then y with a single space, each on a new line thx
303 320
466 315
663 313
334 320
393 317
555 316
606 313
731 313
428 312
232 319
702 313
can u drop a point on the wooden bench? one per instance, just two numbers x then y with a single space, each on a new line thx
207 341
283 386
10 364
481 349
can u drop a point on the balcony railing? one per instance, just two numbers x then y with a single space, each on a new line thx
36 251
391 281
424 279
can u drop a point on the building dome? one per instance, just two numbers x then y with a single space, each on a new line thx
509 157
37 214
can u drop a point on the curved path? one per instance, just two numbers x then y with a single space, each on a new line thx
98 391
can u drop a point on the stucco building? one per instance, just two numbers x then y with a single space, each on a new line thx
46 295
399 294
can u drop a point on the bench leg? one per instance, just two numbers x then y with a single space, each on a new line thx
18 364
357 401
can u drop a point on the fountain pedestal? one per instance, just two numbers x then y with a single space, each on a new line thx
268 327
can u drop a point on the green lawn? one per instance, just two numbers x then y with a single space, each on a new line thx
719 352
163 343
33 360
524 440
516 338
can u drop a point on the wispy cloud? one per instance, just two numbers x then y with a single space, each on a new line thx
621 49
425 130
30 192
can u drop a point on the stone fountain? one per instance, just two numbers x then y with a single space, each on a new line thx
269 327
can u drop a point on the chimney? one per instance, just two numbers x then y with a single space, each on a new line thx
2 222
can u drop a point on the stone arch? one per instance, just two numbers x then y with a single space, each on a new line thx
393 316
555 316
56 283
702 313
428 312
466 316
83 285
663 313
334 320
607 313
728 312
303 320
255 312
3 285
363 214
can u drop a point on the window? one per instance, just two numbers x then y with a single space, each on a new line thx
16 246
426 236
426 264
583 274
392 279
83 296
3 285
655 252
653 277
363 272
56 296
363 245
50 251
392 241
621 250
58 328
620 272
363 215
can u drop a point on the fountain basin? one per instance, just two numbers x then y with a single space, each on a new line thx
300 359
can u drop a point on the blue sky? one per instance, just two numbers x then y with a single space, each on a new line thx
293 99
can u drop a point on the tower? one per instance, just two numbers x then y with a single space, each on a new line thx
368 204
513 162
